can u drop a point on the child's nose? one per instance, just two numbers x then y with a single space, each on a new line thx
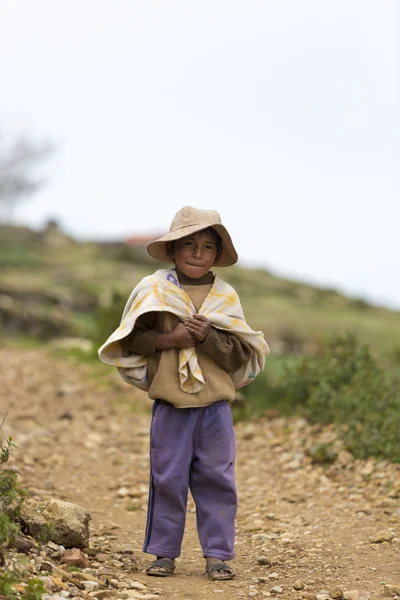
197 251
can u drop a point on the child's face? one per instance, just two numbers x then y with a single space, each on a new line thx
195 254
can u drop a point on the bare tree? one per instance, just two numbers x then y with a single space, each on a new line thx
17 182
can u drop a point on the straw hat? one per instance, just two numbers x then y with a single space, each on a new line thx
189 220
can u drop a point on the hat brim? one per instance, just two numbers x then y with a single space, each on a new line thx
228 257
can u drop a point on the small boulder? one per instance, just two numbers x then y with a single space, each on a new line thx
61 522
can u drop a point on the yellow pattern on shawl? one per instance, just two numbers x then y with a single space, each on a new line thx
162 292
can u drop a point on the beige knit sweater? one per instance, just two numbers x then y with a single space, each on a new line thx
219 354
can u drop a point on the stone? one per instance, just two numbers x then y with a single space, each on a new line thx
75 557
298 585
273 576
46 566
58 521
58 582
384 536
102 557
336 593
136 585
308 596
52 545
263 560
90 586
322 597
276 590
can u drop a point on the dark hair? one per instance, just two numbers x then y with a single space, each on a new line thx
170 246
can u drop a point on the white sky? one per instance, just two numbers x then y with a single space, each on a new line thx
282 115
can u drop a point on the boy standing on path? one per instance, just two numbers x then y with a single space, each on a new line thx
183 337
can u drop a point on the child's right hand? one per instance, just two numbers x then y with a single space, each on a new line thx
182 338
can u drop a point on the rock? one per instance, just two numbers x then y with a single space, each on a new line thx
61 522
90 586
351 595
276 590
52 545
308 596
273 576
58 582
46 566
102 557
322 597
136 585
64 575
336 593
123 585
384 536
76 557
263 560
298 585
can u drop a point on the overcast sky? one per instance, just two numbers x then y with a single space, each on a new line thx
282 115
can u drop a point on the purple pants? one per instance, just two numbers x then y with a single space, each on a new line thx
192 448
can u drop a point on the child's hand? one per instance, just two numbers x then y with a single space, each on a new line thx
199 326
182 338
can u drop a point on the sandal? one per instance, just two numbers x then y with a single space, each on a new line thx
162 567
221 567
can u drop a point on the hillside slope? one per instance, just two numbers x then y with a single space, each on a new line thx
52 285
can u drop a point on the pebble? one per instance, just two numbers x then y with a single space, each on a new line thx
276 589
385 536
263 560
298 585
336 593
273 576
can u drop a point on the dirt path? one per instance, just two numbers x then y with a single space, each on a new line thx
84 442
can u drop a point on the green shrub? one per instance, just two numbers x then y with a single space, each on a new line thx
11 499
344 386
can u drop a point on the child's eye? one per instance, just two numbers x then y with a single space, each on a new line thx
209 247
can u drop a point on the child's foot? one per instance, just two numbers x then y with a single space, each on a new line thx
217 569
162 567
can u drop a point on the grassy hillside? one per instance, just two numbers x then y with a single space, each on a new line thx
51 285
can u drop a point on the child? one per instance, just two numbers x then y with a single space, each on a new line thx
183 337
